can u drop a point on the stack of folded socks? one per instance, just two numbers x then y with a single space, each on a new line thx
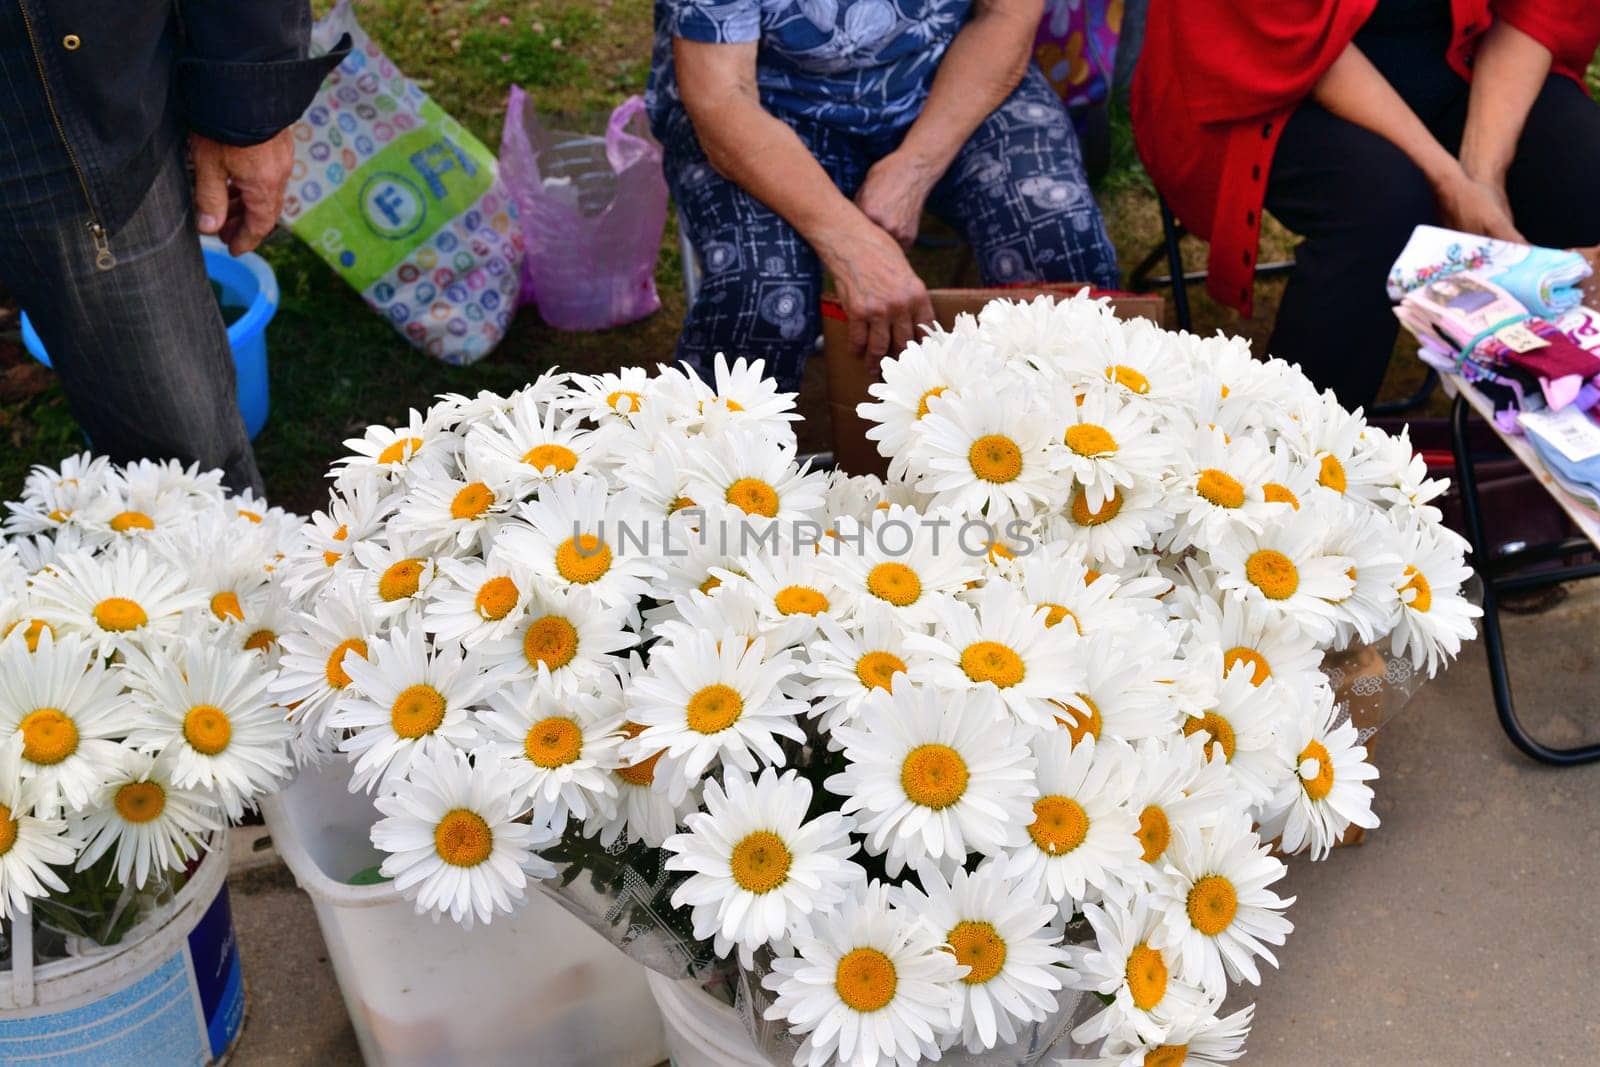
1543 280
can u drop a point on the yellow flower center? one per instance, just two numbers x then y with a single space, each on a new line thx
400 580
417 711
34 628
1417 583
1280 494
977 945
1147 976
1167 1056
260 641
679 503
1087 439
249 516
337 678
1273 573
496 598
800 600
1260 670
400 449
471 501
59 516
760 862
1212 904
877 670
865 980
1220 488
583 559
140 802
1128 378
462 838
714 708
624 400
643 773
544 457
1154 833
1331 473
553 742
922 401
934 776
225 605
1109 507
207 729
1056 613
995 458
991 661
118 614
1078 723
753 497
48 736
1218 729
330 558
551 641
710 585
894 582
1320 784
1059 824
132 520
8 830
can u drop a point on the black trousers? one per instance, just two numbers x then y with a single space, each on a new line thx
1355 198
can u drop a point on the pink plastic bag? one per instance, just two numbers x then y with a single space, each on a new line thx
592 212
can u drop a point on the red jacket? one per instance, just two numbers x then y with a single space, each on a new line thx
1218 78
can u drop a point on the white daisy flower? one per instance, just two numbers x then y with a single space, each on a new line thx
1122 695
1127 523
610 396
1079 833
870 985
1248 636
311 675
205 706
156 827
397 453
449 514
565 639
730 607
1056 577
1007 943
580 536
753 398
67 706
1434 617
1219 913
742 478
531 446
1368 539
479 600
1330 438
1217 488
1199 1041
1147 998
29 845
453 845
559 750
1003 644
792 590
1176 788
986 454
710 697
1237 723
407 701
1328 792
1108 443
1286 570
356 513
396 574
848 664
759 870
939 364
935 775
123 595
903 559
646 809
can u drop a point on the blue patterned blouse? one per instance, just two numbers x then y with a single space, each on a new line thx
863 65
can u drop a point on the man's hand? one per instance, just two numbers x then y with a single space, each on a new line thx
883 298
238 192
893 195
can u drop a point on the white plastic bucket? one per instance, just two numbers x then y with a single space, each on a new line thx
537 987
170 993
702 1031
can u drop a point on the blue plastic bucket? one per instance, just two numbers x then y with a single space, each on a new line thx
247 282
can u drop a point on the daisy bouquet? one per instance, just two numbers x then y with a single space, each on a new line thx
983 762
139 610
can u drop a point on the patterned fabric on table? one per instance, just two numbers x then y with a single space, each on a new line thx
863 65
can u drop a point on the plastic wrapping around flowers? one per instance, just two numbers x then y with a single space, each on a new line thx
139 611
986 761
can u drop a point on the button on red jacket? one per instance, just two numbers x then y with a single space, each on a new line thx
1218 78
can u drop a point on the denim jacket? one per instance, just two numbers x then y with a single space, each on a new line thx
125 79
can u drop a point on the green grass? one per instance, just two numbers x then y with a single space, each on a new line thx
336 366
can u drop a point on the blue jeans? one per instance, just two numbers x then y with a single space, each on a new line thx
1016 191
140 346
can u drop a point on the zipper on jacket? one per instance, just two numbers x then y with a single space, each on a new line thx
103 257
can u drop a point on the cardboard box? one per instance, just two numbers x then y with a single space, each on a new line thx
847 372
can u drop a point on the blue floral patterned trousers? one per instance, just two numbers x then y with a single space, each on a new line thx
1016 191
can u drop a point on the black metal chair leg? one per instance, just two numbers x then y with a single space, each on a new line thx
1493 642
1180 287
